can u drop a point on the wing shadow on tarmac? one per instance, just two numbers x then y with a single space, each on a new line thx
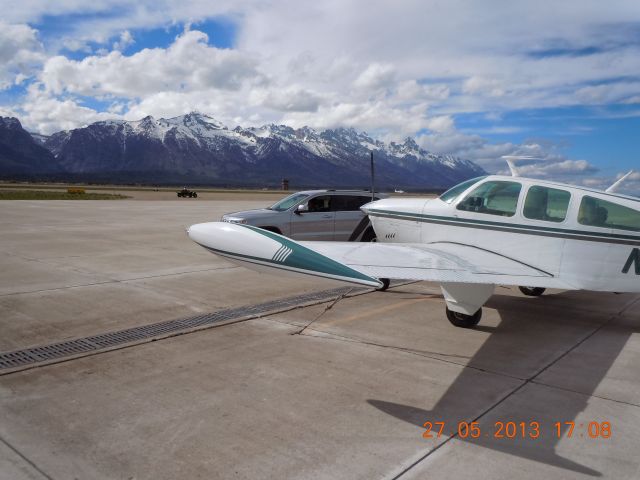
541 449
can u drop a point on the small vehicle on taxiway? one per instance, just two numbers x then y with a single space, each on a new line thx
185 192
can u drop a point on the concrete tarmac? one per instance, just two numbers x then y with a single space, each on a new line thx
340 389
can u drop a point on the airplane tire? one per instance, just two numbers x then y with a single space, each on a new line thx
385 284
532 291
464 321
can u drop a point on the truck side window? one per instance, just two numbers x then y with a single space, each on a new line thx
320 204
348 203
493 198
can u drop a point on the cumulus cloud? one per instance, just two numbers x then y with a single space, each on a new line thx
412 90
125 41
545 161
376 76
631 186
41 112
21 53
376 117
189 64
558 169
288 99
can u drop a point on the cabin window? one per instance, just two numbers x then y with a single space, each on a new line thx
454 192
600 213
493 198
548 204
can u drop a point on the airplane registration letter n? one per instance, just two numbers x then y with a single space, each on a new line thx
634 258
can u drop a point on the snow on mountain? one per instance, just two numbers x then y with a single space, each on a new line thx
197 148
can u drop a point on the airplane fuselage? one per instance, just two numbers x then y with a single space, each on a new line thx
588 257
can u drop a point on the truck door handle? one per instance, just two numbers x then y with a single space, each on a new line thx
326 216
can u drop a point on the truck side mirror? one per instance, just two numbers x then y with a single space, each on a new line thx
301 208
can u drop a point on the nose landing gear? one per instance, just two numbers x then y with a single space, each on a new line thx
532 291
462 320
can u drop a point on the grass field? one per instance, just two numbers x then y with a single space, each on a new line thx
53 195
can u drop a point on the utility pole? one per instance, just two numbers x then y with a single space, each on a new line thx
373 197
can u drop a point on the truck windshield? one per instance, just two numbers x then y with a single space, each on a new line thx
288 202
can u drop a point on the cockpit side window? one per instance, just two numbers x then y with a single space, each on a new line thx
548 204
600 213
493 198
454 192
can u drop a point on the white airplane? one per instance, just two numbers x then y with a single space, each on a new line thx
493 230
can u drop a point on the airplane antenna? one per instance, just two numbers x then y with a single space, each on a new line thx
512 166
615 186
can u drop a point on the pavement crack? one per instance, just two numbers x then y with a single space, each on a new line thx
578 392
437 356
26 459
112 280
326 309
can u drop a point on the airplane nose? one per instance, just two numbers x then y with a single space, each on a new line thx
195 231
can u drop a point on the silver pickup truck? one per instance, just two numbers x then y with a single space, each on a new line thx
314 215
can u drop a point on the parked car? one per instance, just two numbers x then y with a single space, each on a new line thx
185 192
314 215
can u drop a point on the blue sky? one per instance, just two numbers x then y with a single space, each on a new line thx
559 81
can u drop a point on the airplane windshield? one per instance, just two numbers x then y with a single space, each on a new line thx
288 202
454 192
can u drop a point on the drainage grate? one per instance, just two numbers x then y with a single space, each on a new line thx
57 351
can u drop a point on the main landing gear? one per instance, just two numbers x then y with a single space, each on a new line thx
462 320
385 284
532 291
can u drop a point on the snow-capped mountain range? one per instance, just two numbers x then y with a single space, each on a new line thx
198 149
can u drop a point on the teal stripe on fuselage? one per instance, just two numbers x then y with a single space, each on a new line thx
588 236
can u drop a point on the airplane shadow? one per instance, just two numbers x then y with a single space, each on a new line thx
543 448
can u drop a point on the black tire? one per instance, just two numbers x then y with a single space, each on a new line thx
369 235
532 291
195 195
385 284
464 321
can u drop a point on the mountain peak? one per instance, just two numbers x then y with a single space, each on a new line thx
410 143
10 122
197 118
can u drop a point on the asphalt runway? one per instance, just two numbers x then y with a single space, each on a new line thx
339 387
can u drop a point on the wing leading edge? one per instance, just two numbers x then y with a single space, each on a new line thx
364 263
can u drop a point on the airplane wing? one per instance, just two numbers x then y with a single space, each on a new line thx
364 263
